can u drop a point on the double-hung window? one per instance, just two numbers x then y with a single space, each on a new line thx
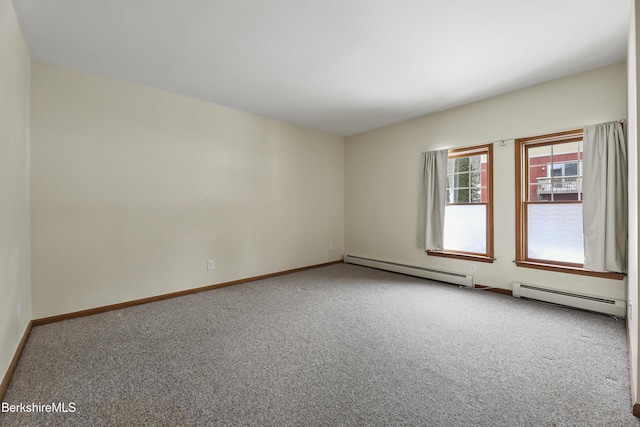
468 219
549 231
551 200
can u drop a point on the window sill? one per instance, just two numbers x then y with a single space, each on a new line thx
461 255
570 270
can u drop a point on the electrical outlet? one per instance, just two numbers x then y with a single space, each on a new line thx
210 265
472 268
19 309
330 246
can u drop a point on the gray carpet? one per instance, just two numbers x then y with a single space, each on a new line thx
340 345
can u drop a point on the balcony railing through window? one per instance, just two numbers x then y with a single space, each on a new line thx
559 184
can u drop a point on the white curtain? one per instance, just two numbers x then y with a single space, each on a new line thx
604 198
432 200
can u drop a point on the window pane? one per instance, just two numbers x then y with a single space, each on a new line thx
475 163
461 180
476 179
555 232
476 186
462 164
538 160
475 194
465 228
557 169
566 151
461 195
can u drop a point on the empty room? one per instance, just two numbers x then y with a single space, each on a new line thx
291 213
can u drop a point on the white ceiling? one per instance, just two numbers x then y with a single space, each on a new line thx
340 66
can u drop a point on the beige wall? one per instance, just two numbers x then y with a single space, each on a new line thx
134 189
632 136
382 172
14 185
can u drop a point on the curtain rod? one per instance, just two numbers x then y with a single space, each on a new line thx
502 142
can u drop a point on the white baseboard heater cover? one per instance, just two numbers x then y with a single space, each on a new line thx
585 302
427 273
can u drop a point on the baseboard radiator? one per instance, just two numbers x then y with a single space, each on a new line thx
412 270
585 302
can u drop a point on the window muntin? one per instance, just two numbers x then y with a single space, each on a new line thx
467 179
554 171
468 227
